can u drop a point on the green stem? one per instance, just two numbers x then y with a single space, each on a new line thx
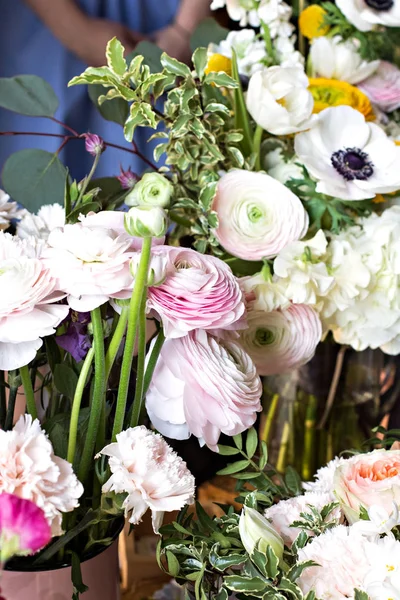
12 377
99 390
257 146
116 341
137 402
3 404
76 405
136 299
88 179
29 393
268 44
151 365
270 418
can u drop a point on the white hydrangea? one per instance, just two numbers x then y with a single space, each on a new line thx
250 51
8 211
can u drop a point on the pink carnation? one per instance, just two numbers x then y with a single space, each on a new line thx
258 215
281 340
383 88
23 527
203 386
200 292
27 302
152 475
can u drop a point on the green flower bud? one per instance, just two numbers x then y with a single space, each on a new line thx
146 221
257 532
152 190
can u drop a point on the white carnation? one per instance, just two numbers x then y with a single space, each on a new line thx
29 469
48 218
8 211
323 479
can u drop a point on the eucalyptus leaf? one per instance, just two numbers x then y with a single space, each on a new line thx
34 178
28 95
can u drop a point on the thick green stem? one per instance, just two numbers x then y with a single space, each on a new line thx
3 405
76 405
99 390
257 146
13 386
136 299
116 341
270 418
29 393
151 365
137 402
88 179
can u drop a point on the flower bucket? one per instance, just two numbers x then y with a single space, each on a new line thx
100 574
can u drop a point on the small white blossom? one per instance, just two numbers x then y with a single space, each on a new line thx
8 211
48 218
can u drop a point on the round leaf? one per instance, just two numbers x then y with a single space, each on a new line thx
28 95
34 178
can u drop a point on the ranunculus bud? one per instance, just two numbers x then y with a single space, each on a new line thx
146 221
152 190
158 267
94 144
257 532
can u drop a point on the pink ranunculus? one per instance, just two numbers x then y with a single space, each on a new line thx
152 475
203 386
383 87
281 340
366 480
27 302
90 262
115 219
258 215
200 292
23 527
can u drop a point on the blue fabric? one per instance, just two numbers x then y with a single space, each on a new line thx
28 47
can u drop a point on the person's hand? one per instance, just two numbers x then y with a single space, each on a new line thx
175 41
92 46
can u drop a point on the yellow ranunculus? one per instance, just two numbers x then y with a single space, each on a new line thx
311 22
218 62
332 92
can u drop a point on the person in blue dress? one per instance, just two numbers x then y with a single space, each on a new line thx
57 39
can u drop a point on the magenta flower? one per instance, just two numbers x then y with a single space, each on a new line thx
94 144
24 528
127 178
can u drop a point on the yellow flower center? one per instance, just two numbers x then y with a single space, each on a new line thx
332 92
390 568
217 63
312 22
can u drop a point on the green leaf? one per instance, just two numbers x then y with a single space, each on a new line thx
264 454
173 564
294 573
204 519
180 528
260 560
102 75
217 107
238 441
76 574
115 57
200 59
222 563
244 584
151 55
273 563
174 66
208 32
235 467
220 79
290 588
34 178
28 95
84 209
116 110
359 595
251 442
227 450
293 481
242 121
65 380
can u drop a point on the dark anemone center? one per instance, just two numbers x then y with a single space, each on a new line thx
380 4
353 163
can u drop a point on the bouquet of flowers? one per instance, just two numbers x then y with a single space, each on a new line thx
335 537
268 224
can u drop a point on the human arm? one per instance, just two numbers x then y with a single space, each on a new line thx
84 36
175 39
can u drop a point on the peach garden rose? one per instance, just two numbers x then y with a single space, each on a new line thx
366 480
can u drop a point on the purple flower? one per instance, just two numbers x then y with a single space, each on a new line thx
23 527
94 144
76 340
127 178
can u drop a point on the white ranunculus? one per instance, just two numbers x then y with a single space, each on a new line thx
27 302
152 475
257 532
335 58
303 270
250 51
153 189
282 340
279 101
146 221
30 469
281 168
366 14
8 211
351 159
258 216
265 294
49 217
